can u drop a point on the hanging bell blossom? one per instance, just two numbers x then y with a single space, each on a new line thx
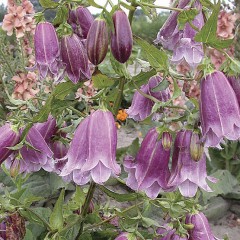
235 83
92 153
141 106
125 236
81 20
219 110
201 230
8 138
46 49
186 174
189 51
169 34
149 171
168 233
74 57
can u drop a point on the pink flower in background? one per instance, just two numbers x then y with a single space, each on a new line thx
25 86
19 19
225 25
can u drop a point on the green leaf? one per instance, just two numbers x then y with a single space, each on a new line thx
56 219
185 16
119 197
235 66
101 81
163 85
148 222
143 77
208 33
157 58
177 91
48 3
61 15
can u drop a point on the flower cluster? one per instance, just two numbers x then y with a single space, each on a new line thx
185 50
19 18
25 86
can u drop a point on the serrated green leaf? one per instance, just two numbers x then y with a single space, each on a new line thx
101 81
56 218
61 15
163 85
157 58
185 16
119 197
48 3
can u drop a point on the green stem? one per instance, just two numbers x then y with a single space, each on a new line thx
115 215
131 12
80 114
162 7
119 96
86 206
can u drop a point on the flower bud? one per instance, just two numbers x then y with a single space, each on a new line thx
196 147
121 39
166 140
81 20
97 41
14 169
74 56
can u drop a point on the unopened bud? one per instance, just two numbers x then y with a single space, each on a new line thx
196 147
166 140
14 169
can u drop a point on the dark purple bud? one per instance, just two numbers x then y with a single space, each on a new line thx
92 153
235 83
201 230
149 172
186 174
121 38
196 147
166 140
141 106
81 20
219 110
74 56
46 49
8 138
97 41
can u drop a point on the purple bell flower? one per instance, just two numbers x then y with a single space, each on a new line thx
235 83
92 153
8 138
149 171
219 109
168 233
46 49
125 236
81 20
141 106
169 34
201 230
189 51
3 228
187 174
74 57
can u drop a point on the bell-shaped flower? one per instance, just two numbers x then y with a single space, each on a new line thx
201 230
3 228
187 174
74 57
169 34
169 233
189 51
149 171
47 50
126 236
92 153
219 110
235 83
141 106
81 20
8 138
